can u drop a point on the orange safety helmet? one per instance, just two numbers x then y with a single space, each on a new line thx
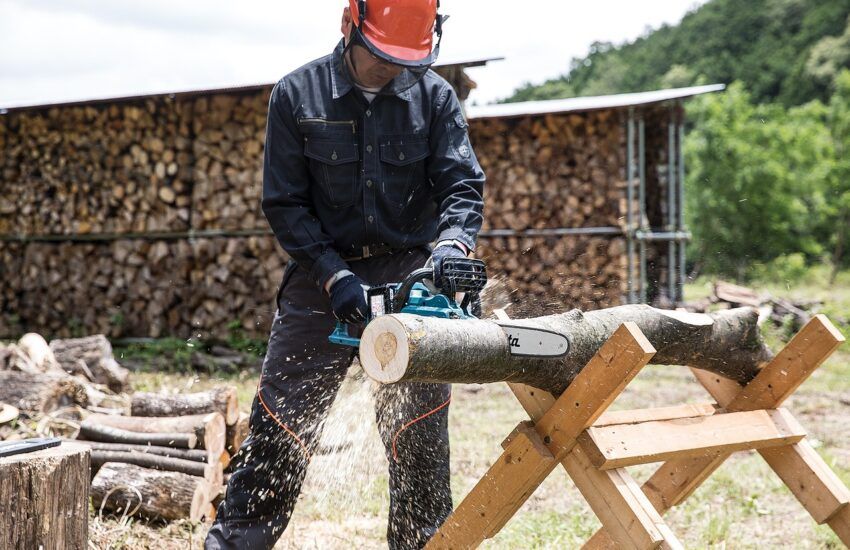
399 31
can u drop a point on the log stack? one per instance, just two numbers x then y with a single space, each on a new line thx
552 172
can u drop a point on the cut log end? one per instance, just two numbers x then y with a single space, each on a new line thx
385 347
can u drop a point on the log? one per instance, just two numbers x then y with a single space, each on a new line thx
410 348
156 462
45 498
195 455
41 392
164 495
220 400
96 353
208 428
93 431
237 433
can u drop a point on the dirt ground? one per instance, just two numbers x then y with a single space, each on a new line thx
344 501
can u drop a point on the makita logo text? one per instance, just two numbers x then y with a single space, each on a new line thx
513 341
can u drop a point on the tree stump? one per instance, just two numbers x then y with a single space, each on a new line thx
45 499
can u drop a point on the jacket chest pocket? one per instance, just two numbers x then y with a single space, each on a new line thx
402 171
334 163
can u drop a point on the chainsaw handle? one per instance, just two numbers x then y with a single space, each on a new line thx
403 292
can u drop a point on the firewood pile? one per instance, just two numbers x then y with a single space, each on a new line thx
779 311
547 173
163 455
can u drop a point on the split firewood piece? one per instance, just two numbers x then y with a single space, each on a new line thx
165 495
221 400
96 353
208 428
410 348
92 431
237 433
8 413
41 392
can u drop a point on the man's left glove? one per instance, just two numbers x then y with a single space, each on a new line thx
348 300
438 255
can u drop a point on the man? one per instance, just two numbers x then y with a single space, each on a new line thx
367 161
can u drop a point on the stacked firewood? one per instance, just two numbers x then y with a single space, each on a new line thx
540 273
552 171
229 139
140 287
164 454
97 169
172 450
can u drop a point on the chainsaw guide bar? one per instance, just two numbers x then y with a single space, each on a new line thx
535 342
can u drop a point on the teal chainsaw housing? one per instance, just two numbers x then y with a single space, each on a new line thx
420 302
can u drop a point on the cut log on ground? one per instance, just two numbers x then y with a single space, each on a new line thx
93 431
410 348
220 400
96 354
41 392
45 499
208 428
236 434
195 455
155 462
164 495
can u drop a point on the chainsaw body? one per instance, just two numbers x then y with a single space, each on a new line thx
418 295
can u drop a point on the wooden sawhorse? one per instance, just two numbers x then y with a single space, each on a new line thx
692 441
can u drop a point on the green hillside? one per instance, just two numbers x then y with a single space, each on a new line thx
781 50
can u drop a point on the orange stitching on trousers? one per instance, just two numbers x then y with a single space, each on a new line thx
414 421
279 423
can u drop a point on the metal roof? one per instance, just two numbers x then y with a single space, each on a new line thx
254 87
526 108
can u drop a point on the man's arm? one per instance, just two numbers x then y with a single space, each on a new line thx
287 203
457 176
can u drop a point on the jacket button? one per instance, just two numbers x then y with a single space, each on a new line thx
401 156
369 113
368 183
334 156
368 148
371 219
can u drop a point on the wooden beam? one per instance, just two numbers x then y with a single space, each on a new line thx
630 444
610 418
521 468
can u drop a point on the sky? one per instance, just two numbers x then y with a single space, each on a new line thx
65 50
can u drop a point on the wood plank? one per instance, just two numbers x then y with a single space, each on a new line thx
620 505
624 445
840 523
635 416
510 480
810 479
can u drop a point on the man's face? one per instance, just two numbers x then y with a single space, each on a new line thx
368 70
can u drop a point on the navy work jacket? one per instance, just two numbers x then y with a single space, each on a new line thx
340 173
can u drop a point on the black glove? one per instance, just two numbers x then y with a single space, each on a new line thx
438 255
348 300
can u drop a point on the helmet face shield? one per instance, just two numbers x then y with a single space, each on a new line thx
411 72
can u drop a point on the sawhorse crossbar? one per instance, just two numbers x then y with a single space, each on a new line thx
692 441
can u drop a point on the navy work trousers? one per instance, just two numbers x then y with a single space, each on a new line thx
301 375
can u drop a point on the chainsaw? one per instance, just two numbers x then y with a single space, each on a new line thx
418 295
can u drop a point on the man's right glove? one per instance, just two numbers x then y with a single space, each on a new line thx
348 300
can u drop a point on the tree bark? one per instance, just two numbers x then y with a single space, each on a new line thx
40 392
208 428
96 354
220 400
45 499
93 431
403 347
164 495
